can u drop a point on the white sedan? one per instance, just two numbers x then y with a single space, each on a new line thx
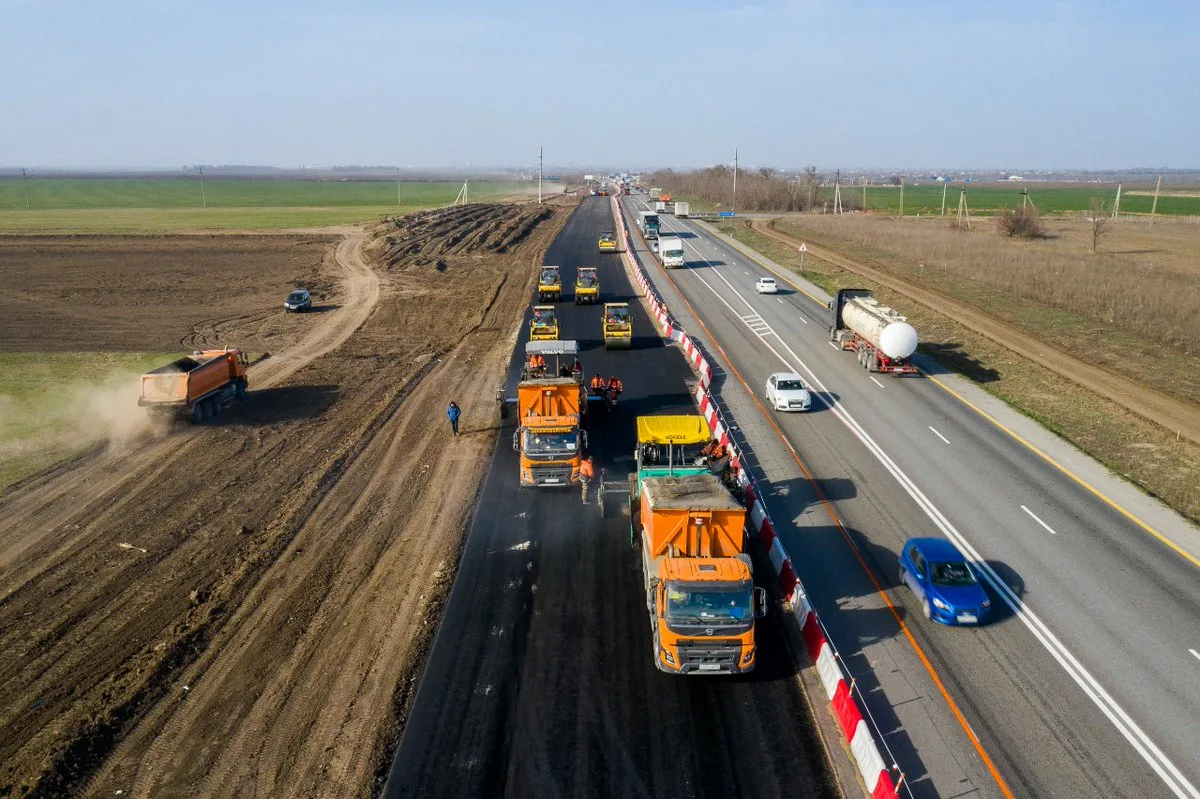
766 285
786 391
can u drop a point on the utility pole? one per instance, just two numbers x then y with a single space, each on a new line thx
1153 208
1117 204
735 171
203 196
837 192
964 214
397 187
539 175
25 182
944 187
902 195
864 208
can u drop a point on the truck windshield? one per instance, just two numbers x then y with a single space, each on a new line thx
673 253
709 604
619 317
555 444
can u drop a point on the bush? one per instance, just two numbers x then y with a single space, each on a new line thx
1022 223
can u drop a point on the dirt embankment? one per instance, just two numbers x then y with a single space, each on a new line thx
242 608
1171 413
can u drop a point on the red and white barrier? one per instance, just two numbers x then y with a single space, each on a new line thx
871 766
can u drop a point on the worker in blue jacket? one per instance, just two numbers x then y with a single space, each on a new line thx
453 412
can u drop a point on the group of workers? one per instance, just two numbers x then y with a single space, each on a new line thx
537 367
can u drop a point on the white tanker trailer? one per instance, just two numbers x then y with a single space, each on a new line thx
881 336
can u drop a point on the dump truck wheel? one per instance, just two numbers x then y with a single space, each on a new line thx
240 389
199 413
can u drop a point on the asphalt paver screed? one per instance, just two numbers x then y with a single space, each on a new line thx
242 607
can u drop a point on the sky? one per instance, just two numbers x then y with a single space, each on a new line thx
1016 85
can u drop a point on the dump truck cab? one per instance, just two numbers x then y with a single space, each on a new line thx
608 242
587 286
668 446
699 580
543 324
550 284
617 325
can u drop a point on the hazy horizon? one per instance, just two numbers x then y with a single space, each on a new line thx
150 84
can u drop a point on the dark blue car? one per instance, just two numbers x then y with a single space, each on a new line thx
943 581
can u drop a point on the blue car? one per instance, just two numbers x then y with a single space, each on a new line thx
943 581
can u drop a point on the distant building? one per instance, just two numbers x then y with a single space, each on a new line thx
1015 177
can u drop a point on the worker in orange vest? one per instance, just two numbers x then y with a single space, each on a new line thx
597 384
586 474
537 365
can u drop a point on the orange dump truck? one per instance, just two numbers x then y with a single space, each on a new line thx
550 436
200 385
699 583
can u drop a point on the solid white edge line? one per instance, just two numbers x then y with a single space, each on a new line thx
1033 516
876 382
939 435
1194 652
1167 771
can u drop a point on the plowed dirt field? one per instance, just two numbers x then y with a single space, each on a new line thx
241 608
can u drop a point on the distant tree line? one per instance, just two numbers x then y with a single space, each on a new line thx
759 190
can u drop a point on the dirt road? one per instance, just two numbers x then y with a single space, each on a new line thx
1169 412
241 608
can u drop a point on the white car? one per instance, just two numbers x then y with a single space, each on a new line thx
766 285
786 391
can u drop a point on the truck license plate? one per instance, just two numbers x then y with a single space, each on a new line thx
550 480
710 667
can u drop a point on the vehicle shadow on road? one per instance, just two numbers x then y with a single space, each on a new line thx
284 404
948 358
823 400
324 308
1001 610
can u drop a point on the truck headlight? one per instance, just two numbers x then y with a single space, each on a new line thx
526 474
937 603
667 656
987 603
749 656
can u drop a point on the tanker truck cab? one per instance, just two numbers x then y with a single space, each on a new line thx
700 591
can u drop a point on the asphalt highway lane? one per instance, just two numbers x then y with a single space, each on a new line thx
540 681
1122 606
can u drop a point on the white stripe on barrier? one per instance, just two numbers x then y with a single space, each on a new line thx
757 514
778 555
866 754
800 606
828 670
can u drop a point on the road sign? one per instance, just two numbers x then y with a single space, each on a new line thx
803 247
727 213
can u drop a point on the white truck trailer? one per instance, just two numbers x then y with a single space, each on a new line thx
882 336
670 249
681 210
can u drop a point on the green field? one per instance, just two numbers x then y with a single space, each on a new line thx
54 405
105 205
926 199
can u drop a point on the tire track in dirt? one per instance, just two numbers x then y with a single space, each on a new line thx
52 501
313 718
289 563
1169 412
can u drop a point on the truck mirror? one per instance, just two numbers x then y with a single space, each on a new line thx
583 433
517 440
760 600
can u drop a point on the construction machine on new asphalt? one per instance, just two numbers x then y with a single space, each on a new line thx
550 284
617 325
587 286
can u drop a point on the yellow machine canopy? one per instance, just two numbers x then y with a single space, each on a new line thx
672 430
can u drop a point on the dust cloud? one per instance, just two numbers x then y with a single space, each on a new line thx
71 417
